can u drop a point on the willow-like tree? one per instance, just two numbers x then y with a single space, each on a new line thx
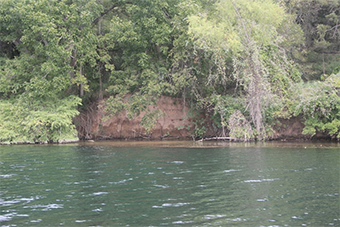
244 36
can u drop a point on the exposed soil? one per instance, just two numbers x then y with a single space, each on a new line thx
176 123
289 129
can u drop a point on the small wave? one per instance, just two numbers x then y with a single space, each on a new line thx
11 202
100 193
45 207
295 217
167 173
22 215
97 210
161 186
122 181
236 219
214 216
178 178
181 222
177 162
97 171
8 175
171 205
230 170
259 181
6 217
36 221
252 181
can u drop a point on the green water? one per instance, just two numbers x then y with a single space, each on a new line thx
170 184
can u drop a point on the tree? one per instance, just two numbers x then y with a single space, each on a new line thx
320 22
233 59
241 35
319 104
144 34
52 42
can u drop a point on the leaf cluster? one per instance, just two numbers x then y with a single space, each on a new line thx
319 103
37 121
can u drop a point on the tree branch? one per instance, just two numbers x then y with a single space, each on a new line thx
106 12
243 25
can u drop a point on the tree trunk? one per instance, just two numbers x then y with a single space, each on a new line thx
255 94
222 124
100 87
73 63
81 86
255 90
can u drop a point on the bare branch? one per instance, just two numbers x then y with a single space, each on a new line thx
243 25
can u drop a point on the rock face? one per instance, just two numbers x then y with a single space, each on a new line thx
175 123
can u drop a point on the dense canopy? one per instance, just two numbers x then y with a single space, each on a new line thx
247 62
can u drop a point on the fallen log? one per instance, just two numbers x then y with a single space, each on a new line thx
214 138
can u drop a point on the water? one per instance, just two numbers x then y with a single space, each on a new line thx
139 184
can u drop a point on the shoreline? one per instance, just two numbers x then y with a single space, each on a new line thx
301 139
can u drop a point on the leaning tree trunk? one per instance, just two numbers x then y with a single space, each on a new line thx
253 71
254 97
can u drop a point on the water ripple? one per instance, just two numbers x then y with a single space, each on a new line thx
11 202
79 185
259 181
171 205
230 170
100 193
122 181
161 186
7 175
45 207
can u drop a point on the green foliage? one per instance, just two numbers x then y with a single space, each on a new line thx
149 119
29 120
144 33
224 107
242 60
319 20
198 123
244 41
319 103
53 41
240 128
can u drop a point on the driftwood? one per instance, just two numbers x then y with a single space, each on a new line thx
215 138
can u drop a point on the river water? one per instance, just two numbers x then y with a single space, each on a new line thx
170 184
